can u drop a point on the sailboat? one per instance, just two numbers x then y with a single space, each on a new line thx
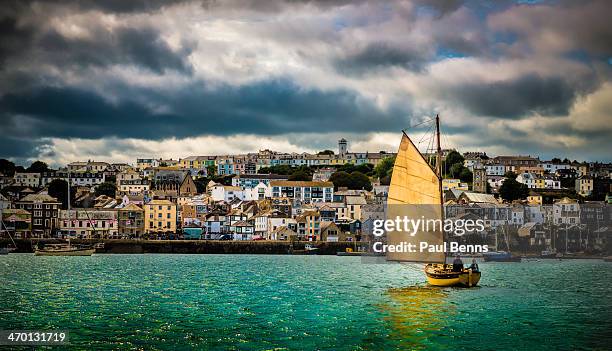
415 192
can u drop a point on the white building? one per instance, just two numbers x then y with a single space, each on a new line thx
495 170
303 191
227 193
528 179
566 211
31 180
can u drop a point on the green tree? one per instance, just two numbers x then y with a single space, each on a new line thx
58 188
341 179
7 167
300 175
38 167
512 190
106 188
385 167
358 181
510 175
326 152
455 170
466 175
452 159
211 170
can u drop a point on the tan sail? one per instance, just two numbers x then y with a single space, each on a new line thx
414 192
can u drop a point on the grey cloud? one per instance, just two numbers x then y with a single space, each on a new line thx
520 97
272 107
380 55
134 46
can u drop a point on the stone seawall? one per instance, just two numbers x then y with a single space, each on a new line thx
193 246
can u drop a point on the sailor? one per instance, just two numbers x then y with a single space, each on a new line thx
457 264
474 265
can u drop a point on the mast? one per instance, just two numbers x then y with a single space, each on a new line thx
439 172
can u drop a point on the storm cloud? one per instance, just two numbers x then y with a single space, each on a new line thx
506 77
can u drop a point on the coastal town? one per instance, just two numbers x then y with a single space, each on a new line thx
528 204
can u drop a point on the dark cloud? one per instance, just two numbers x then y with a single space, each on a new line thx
14 39
133 46
380 55
515 98
272 107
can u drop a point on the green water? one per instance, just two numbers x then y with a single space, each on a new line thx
249 302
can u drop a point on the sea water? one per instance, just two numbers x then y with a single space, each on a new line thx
265 302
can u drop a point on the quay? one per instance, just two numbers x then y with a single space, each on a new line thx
122 246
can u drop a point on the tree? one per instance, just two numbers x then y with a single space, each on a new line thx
510 175
353 181
107 189
452 159
300 175
326 152
455 170
385 167
211 170
340 179
512 190
466 175
7 167
38 167
58 188
358 181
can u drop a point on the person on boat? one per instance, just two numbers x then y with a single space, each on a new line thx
474 265
457 264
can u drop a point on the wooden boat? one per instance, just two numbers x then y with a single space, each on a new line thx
63 250
415 191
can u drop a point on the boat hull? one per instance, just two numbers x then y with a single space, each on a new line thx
76 252
446 278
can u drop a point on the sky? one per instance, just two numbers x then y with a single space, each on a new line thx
115 80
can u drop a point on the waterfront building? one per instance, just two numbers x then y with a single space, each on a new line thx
16 222
331 232
44 210
566 211
160 216
134 187
88 223
304 191
131 221
28 179
308 226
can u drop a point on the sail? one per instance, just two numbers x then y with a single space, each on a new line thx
414 193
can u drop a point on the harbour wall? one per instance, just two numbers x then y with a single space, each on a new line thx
192 246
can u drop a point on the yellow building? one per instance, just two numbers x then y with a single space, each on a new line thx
160 216
534 199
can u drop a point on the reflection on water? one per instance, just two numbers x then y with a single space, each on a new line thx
415 315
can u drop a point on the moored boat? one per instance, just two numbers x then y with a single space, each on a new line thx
63 250
500 256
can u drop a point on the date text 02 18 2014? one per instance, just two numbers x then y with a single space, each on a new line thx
33 337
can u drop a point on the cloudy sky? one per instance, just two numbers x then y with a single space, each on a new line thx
115 80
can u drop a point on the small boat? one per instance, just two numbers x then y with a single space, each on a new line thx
443 275
64 250
99 247
4 250
607 259
500 256
308 250
548 254
416 189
